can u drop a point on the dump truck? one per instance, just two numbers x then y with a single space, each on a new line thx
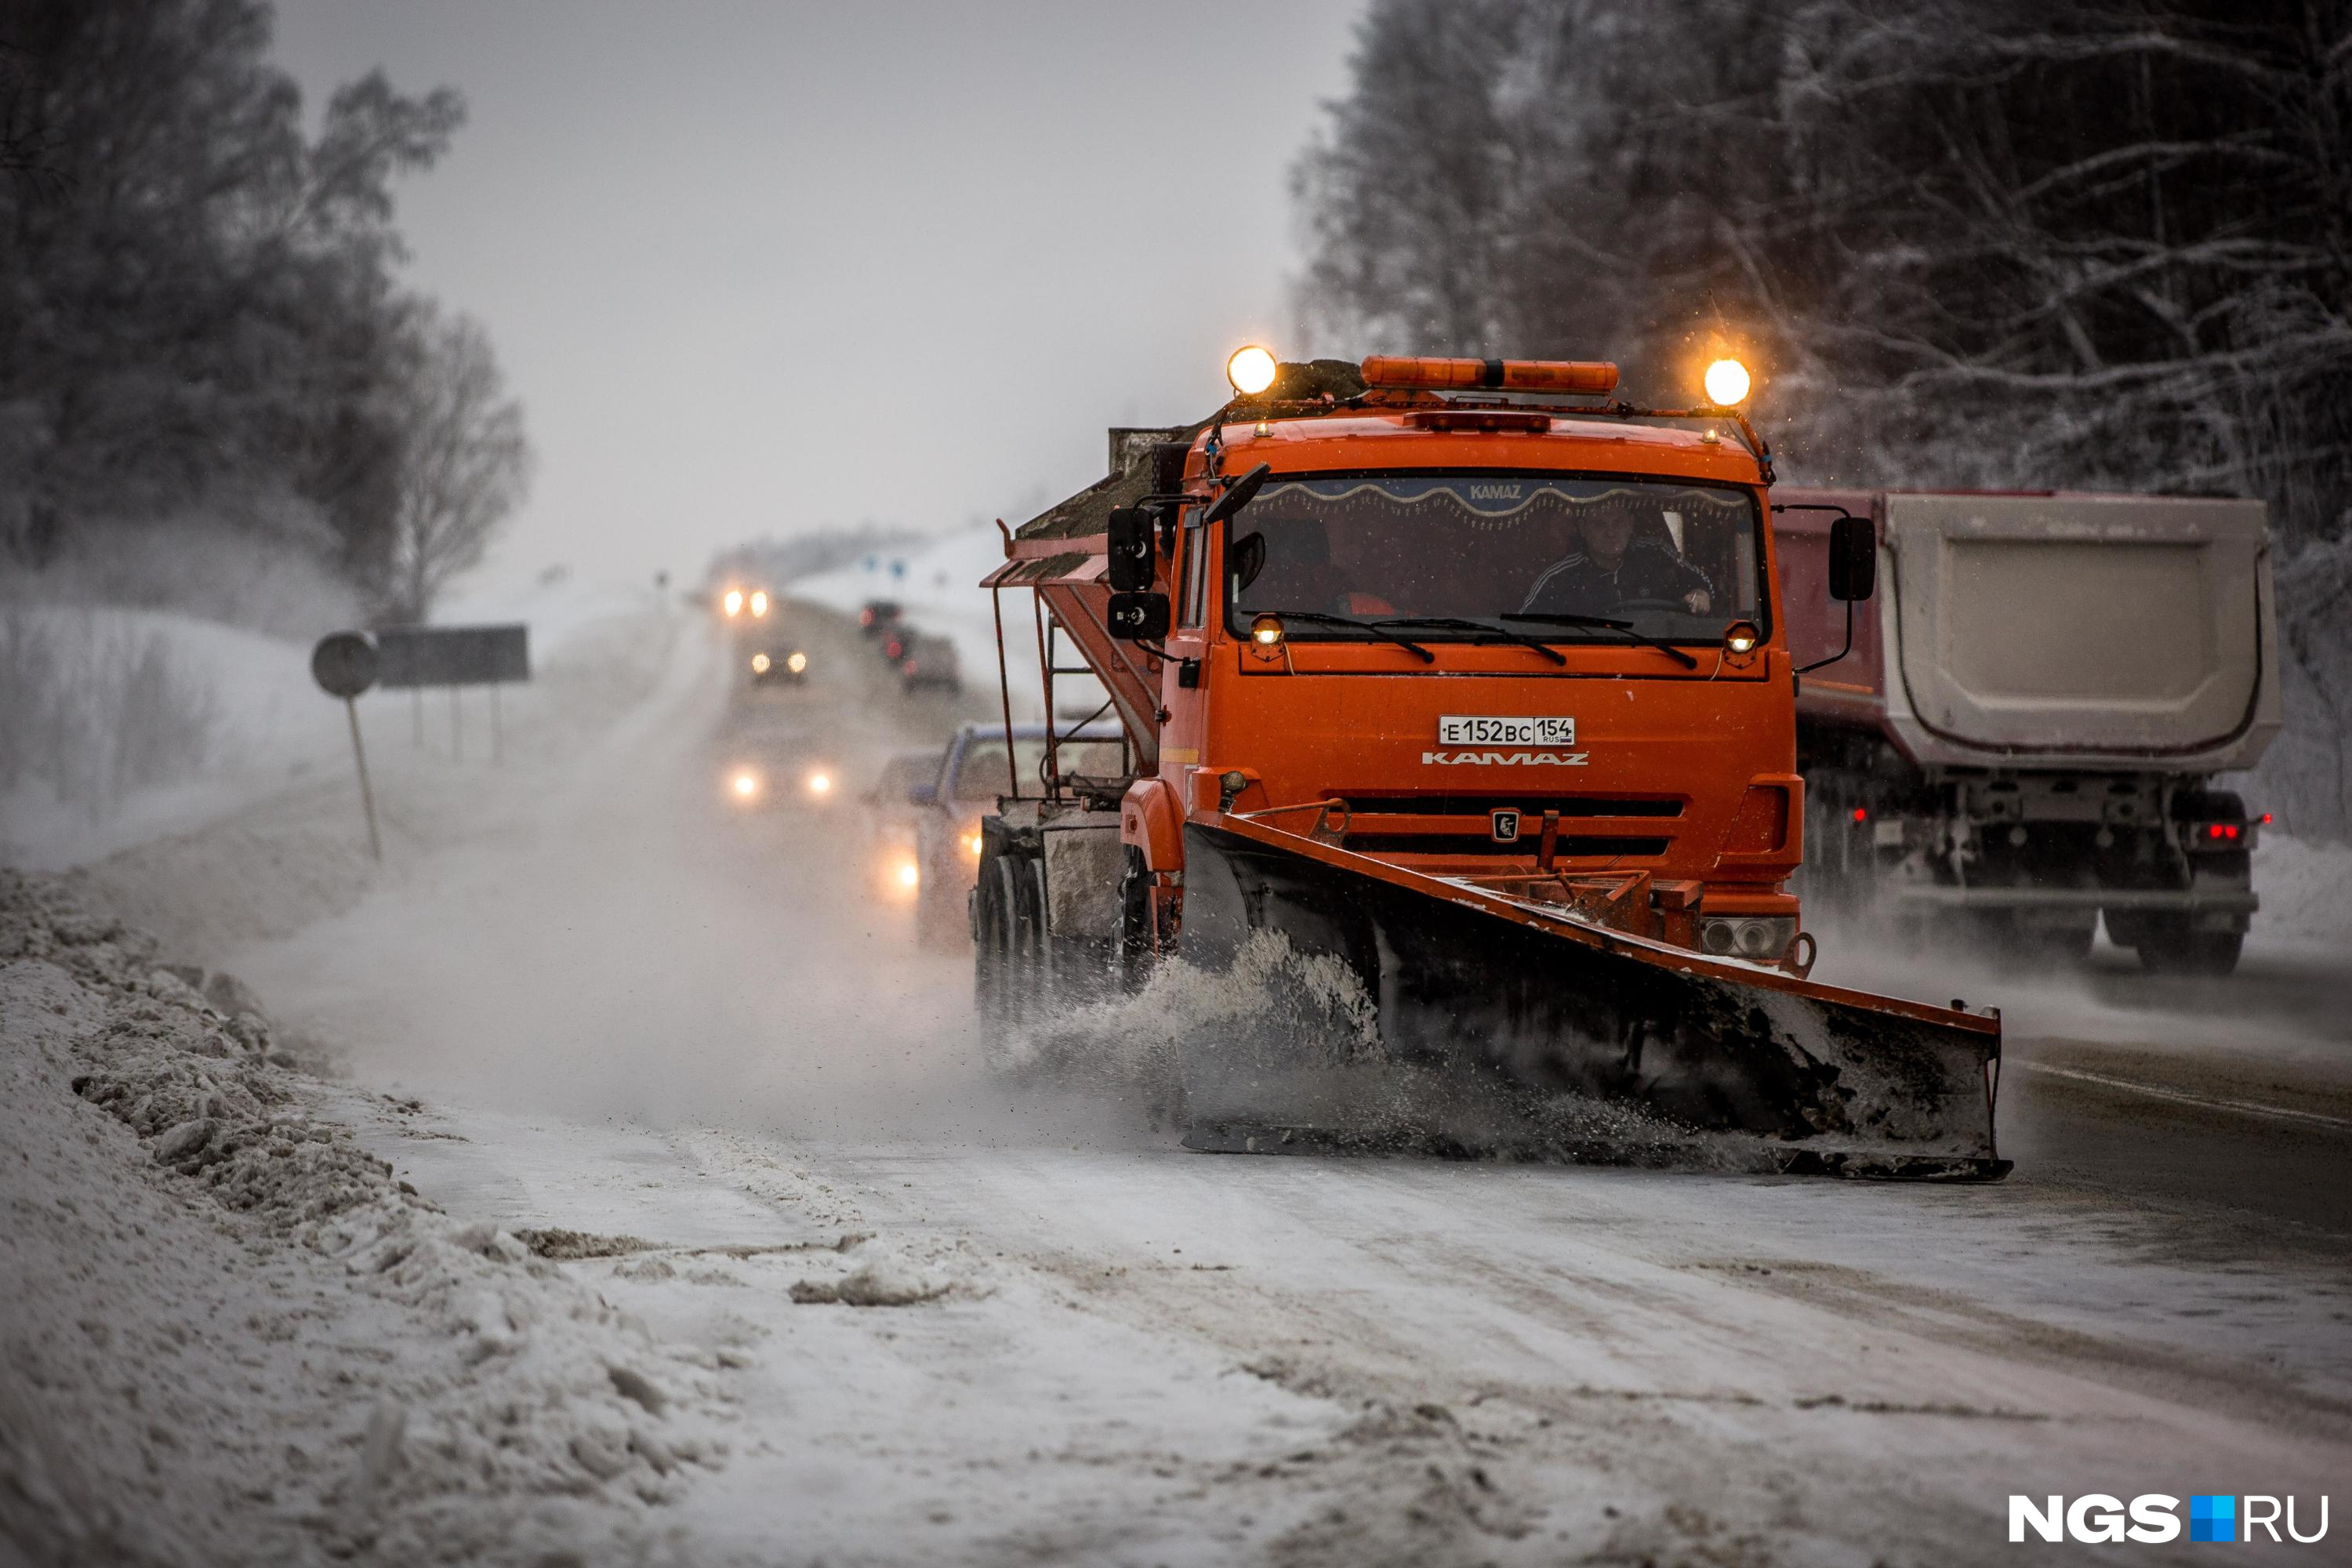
1458 691
2021 734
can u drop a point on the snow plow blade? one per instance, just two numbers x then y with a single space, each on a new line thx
1464 984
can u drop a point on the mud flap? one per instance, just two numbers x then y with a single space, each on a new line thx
1445 983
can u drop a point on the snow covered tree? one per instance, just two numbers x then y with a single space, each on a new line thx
2081 242
464 462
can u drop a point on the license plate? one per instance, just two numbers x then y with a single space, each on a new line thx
1467 730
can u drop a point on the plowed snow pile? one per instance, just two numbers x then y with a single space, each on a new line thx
232 1336
1301 1038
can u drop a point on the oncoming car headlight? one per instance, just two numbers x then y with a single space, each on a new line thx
743 783
759 664
796 661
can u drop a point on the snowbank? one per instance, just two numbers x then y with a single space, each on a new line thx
127 725
233 1336
134 723
2306 894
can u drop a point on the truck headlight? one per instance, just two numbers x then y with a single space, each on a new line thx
1741 637
1265 631
1760 939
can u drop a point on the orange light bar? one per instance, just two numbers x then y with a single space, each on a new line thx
1598 377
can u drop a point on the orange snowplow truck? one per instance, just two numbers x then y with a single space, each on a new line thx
1469 678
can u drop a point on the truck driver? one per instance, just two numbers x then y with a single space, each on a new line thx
1615 569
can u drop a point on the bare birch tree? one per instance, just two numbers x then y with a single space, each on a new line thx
465 463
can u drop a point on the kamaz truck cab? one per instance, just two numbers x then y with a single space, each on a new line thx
1471 678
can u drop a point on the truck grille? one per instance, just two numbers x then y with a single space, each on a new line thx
1529 807
1567 846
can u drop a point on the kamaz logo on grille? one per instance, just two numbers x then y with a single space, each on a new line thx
1507 826
1503 759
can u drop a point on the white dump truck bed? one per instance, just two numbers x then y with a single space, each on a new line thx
2055 630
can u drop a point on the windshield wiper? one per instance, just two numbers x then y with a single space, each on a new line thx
1602 622
1465 623
1374 628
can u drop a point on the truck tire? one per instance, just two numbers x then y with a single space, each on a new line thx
1012 960
988 948
1136 952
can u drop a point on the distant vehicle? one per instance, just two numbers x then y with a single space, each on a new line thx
778 666
896 805
2022 735
736 603
966 786
930 664
877 616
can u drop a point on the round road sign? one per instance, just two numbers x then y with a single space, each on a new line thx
344 663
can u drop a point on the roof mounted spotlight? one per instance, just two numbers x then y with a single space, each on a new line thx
1251 369
1728 383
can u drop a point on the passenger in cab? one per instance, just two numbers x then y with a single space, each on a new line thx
1300 575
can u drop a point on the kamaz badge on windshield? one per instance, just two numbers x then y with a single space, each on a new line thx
1460 730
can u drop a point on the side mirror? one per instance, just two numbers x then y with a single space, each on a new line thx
1853 558
1238 494
1131 550
1138 617
1246 560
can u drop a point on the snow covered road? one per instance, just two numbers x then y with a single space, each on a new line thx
591 994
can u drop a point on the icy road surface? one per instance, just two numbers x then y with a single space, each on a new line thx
627 1007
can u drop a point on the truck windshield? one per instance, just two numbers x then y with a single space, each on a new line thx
1673 561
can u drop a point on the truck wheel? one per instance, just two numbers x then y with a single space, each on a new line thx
1135 946
1011 966
990 957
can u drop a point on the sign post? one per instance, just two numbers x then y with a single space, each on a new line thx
344 665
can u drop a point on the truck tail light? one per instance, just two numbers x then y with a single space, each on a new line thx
1596 377
1862 813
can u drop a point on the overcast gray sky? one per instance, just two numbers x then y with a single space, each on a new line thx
757 267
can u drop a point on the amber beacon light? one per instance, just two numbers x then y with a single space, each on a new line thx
1595 377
